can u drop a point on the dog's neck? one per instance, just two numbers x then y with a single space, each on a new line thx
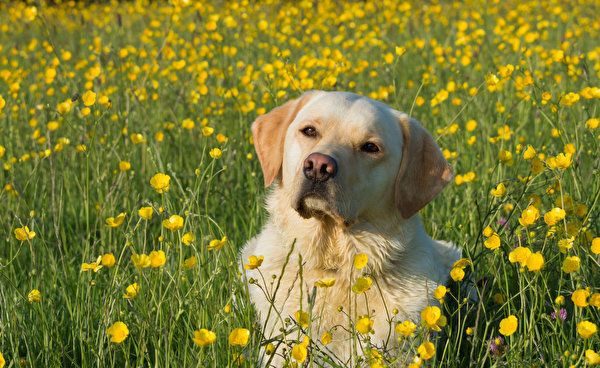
326 244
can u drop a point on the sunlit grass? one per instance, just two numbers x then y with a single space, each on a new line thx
97 99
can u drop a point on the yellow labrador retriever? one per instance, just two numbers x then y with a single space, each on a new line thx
348 176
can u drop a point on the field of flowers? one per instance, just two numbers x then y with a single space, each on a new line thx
128 179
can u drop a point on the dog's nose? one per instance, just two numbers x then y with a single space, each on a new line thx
320 167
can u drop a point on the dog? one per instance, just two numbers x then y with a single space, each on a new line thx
348 176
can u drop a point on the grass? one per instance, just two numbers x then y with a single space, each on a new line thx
527 73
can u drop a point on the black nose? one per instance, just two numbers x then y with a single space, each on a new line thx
319 167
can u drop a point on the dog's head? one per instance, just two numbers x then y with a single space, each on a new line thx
347 156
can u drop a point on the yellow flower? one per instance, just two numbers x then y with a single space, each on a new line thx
362 284
23 233
2 361
430 316
325 283
560 300
535 262
137 138
493 242
160 182
360 260
215 153
487 232
140 260
187 238
173 223
269 349
89 98
405 328
2 150
595 248
563 161
118 332
239 337
207 131
506 157
571 264
595 300
529 216
204 337
579 298
124 165
499 191
519 254
146 212
34 296
469 331
302 318
157 258
529 153
426 350
591 124
189 263
2 104
254 262
569 99
537 165
132 290
471 125
364 325
116 221
188 124
326 338
108 260
591 357
457 274
217 244
554 216
586 329
94 266
564 244
440 292
299 353
508 325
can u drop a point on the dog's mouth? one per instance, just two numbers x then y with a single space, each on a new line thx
314 200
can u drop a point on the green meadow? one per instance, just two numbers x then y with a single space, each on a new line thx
129 181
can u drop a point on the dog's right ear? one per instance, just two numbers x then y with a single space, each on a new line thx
268 133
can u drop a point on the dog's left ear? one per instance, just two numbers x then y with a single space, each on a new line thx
424 171
268 133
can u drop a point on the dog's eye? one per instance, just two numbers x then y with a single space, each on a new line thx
370 147
309 131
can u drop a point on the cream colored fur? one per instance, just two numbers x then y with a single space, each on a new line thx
367 208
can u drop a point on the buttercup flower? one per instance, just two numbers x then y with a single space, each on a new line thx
116 221
493 242
160 182
204 337
132 290
302 318
118 332
34 296
405 328
554 216
239 337
173 223
519 254
586 329
457 274
529 216
217 244
440 292
535 262
108 260
362 284
215 153
157 258
325 283
326 338
426 350
499 191
579 298
591 357
187 238
364 325
360 261
140 260
508 325
94 266
89 98
254 262
189 263
23 233
571 264
146 212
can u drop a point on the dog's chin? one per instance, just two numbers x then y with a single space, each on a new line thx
315 206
